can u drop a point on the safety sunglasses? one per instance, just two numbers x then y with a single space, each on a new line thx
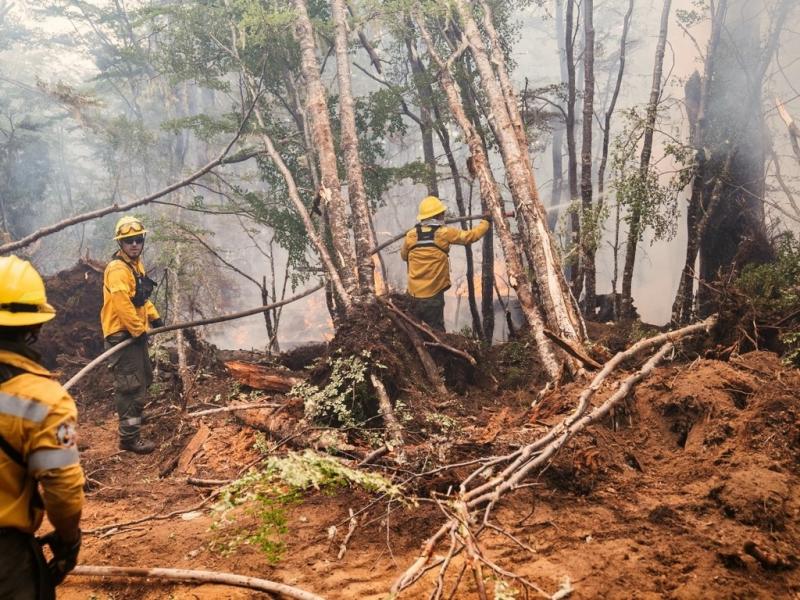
139 239
129 228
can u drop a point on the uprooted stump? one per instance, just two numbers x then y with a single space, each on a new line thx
381 341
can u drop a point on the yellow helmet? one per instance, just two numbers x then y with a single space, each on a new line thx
22 296
430 207
128 226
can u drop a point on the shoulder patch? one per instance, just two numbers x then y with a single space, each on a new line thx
66 436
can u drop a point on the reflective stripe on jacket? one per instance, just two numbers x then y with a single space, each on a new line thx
429 265
119 288
38 420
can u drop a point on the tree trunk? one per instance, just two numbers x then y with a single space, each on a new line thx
491 193
634 220
557 192
356 192
330 189
725 216
558 305
737 233
444 138
572 154
425 96
601 172
623 44
487 286
586 269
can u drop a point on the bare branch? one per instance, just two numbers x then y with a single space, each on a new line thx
101 212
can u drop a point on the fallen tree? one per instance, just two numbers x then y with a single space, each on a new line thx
470 510
251 583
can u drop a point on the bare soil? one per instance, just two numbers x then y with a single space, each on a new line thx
659 501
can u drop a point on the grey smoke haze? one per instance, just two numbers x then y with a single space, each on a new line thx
81 179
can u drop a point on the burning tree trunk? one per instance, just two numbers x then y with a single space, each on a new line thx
634 218
737 233
726 204
559 307
330 188
696 92
362 228
589 235
490 192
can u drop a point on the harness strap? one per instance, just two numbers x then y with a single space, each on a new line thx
426 239
144 285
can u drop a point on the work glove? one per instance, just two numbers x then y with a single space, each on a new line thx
65 555
141 339
487 216
156 323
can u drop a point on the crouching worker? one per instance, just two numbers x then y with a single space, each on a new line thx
37 447
426 249
128 313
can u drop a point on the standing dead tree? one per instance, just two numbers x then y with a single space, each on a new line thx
469 512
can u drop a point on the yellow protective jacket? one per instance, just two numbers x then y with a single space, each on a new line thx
426 249
37 419
119 288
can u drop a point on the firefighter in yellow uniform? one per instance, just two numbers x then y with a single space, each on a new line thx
37 447
426 249
128 313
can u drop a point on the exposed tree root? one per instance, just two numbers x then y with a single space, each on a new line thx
212 411
463 512
423 327
393 427
252 583
431 370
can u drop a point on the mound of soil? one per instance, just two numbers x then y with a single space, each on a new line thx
667 497
74 337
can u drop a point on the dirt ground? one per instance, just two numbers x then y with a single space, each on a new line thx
676 495
658 502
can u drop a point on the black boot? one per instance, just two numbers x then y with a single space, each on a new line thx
137 445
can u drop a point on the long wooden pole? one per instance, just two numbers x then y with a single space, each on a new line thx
252 583
245 313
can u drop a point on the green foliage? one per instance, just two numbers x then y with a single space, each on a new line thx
773 291
309 469
442 422
504 591
269 493
345 397
642 191
774 288
791 341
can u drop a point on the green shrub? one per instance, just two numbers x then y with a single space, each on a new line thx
344 399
